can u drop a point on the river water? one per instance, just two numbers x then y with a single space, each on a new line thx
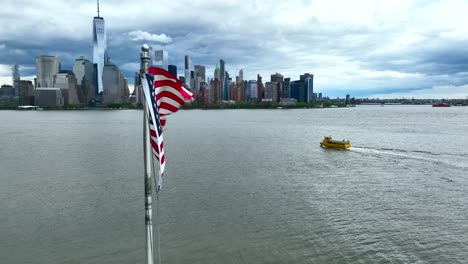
241 186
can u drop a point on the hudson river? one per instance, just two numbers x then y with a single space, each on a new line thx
241 186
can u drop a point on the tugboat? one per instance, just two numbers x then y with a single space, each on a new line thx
338 144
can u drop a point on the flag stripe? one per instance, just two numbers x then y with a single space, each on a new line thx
168 106
168 93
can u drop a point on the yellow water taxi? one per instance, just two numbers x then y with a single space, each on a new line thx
331 143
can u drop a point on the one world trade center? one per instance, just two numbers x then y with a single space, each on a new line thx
100 49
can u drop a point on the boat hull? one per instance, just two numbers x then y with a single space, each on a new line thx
336 144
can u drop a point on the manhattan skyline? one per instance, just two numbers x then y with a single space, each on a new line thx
364 48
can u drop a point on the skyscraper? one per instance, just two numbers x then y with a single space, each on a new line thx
310 89
100 48
66 81
172 69
260 88
227 82
83 70
299 91
161 59
187 70
309 84
240 86
222 77
253 90
192 79
115 85
47 67
271 91
199 71
286 88
15 75
216 72
278 78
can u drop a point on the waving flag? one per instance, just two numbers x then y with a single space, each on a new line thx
164 95
170 93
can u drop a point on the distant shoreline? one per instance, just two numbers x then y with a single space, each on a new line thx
206 107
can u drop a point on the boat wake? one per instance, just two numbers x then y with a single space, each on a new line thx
417 155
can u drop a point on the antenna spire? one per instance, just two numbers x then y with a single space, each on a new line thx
98 8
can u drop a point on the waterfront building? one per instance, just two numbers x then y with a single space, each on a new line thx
240 95
271 91
209 91
25 92
286 88
292 90
83 70
247 90
66 81
48 96
260 88
310 89
278 79
114 85
299 91
253 87
161 58
172 69
100 57
7 90
138 89
348 99
199 71
187 70
8 95
46 69
309 83
233 92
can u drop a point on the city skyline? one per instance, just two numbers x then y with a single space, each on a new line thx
365 48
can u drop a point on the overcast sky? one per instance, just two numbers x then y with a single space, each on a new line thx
366 48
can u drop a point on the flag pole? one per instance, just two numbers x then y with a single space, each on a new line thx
145 59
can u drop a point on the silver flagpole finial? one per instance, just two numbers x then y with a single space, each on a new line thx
145 58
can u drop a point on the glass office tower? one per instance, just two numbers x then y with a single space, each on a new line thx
100 48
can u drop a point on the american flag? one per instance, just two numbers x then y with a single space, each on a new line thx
164 95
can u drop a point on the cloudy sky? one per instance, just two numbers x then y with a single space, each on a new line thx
384 49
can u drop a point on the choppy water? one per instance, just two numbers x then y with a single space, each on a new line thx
242 186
